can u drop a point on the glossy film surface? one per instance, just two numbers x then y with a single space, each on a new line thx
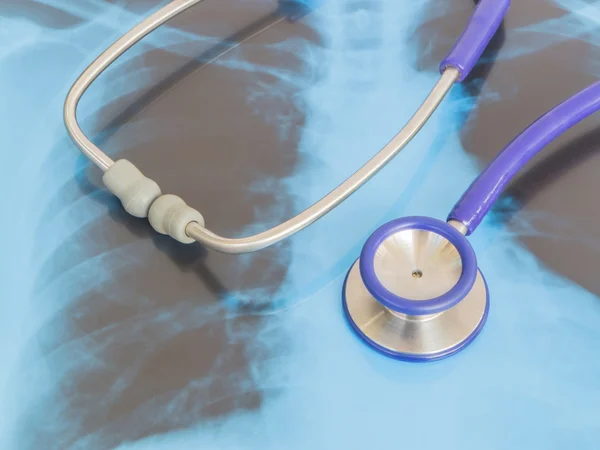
116 338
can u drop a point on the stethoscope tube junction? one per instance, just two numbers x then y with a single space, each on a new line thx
416 292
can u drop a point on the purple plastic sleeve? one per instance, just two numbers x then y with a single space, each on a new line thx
485 190
484 23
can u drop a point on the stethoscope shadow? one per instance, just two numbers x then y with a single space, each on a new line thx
543 173
186 257
287 10
487 60
475 81
192 257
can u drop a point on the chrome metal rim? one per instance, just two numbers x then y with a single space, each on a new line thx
414 338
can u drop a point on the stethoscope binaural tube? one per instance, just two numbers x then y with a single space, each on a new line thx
170 215
416 292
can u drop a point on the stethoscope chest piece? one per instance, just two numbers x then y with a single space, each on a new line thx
416 293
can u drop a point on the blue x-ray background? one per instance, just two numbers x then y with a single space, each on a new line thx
114 337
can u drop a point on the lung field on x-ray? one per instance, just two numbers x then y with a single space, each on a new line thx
135 339
138 340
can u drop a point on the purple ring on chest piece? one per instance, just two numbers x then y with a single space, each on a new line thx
412 306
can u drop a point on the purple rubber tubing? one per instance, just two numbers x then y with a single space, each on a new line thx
485 190
480 30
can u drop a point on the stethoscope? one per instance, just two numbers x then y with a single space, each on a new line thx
170 215
416 292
